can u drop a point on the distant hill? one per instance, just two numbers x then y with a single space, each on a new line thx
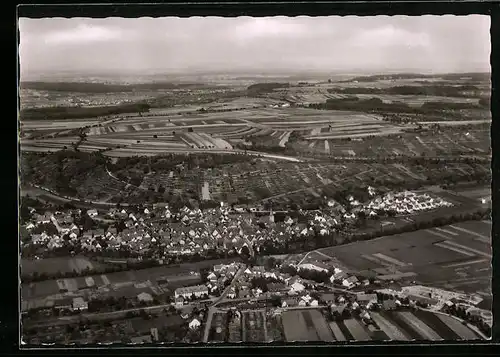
85 87
475 76
260 88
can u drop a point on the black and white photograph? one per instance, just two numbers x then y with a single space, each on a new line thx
222 180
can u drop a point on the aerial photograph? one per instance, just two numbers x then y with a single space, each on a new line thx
254 180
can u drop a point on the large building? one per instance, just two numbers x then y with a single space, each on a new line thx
187 292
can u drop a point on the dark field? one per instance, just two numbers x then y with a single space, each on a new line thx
461 259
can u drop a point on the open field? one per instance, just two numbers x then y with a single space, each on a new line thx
451 257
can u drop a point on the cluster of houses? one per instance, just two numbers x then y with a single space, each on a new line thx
406 203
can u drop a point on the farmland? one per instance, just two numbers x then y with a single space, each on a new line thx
306 325
401 325
455 257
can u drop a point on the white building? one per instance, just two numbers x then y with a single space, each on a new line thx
187 292
92 213
297 287
80 304
195 324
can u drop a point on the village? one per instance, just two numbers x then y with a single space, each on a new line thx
158 231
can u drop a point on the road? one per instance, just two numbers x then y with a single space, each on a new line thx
212 309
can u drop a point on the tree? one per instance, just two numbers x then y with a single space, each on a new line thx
275 301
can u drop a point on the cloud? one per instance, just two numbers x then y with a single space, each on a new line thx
83 34
390 36
259 28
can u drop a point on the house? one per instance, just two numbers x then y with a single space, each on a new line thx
327 298
187 292
297 287
259 269
195 324
79 304
145 297
339 309
302 303
350 282
218 267
142 339
212 277
289 302
366 298
92 213
389 304
338 276
314 302
179 301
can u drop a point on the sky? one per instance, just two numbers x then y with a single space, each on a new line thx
428 44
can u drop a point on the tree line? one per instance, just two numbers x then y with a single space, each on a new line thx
61 112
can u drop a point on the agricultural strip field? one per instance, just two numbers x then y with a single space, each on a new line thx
389 328
305 325
357 330
422 325
337 332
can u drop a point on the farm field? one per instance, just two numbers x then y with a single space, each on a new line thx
401 325
407 144
452 257
54 265
306 325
